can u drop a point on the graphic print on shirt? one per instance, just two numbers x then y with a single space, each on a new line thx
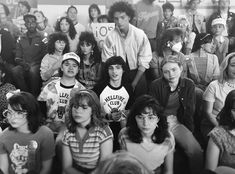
64 95
19 158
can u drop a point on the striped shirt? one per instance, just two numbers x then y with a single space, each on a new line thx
86 152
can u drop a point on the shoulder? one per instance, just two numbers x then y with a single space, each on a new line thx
44 130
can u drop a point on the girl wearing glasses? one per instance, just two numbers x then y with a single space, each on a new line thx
24 148
89 72
220 155
147 137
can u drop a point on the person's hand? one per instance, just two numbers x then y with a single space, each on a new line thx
133 84
22 63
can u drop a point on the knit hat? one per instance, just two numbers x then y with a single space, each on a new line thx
71 55
218 21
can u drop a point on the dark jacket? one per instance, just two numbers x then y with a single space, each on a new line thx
160 89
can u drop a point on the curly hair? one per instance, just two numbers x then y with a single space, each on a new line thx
93 6
72 30
92 101
27 102
121 6
53 38
225 117
133 131
168 5
88 37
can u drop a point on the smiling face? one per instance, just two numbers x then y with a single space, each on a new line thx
64 26
82 113
121 20
147 122
115 72
69 68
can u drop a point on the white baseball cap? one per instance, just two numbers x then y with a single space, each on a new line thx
71 55
218 21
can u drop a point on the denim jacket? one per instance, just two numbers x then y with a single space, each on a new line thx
160 89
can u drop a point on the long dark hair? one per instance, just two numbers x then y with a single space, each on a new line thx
225 116
53 38
27 102
133 131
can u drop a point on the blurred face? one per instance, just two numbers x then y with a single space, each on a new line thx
40 17
172 72
30 24
82 113
16 118
224 4
147 122
60 45
121 20
183 24
167 13
72 14
69 68
115 72
3 17
194 4
86 48
231 69
23 9
94 13
218 29
207 47
64 26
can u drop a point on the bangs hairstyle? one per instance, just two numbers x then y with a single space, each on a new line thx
224 68
27 102
200 39
92 101
121 162
172 59
133 131
225 116
93 6
88 37
122 7
72 31
53 38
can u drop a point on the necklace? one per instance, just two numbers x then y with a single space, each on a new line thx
232 85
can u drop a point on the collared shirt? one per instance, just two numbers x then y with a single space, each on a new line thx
31 49
135 48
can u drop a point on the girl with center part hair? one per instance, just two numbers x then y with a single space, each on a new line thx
57 46
66 26
215 94
177 97
87 139
147 137
25 146
90 65
220 151
94 12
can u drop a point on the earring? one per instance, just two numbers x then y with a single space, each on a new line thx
92 52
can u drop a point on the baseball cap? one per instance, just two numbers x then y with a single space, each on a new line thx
71 55
218 21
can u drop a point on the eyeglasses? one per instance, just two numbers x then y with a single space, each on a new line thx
149 117
16 114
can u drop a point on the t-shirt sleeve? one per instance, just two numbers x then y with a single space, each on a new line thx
171 141
106 134
65 138
209 94
48 144
216 135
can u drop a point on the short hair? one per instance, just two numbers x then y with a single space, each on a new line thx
27 16
189 3
225 117
53 38
92 101
121 6
70 8
172 59
224 67
6 9
168 5
103 17
133 131
72 30
89 37
26 4
27 102
121 162
200 39
93 6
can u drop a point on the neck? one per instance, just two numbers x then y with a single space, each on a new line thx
24 128
31 33
173 85
87 56
67 81
58 53
146 138
116 83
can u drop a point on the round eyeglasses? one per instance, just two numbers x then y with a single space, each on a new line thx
14 114
149 117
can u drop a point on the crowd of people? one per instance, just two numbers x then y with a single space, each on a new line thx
157 98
